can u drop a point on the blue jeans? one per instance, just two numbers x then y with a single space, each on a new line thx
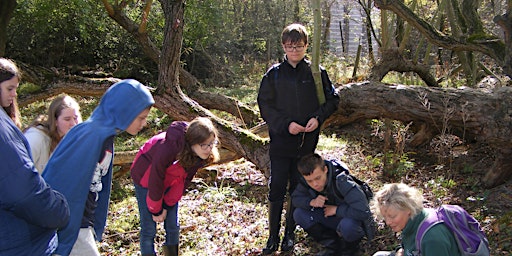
350 229
148 226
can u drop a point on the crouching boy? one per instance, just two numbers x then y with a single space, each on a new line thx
330 206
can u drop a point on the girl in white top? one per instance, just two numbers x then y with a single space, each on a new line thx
45 132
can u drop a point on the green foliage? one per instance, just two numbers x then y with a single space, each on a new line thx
339 69
236 29
503 228
74 34
27 88
242 92
397 164
405 78
394 161
123 223
331 142
440 186
157 122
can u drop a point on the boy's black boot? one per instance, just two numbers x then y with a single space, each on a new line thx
349 248
274 224
328 238
289 232
170 250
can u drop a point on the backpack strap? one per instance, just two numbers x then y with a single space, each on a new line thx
339 167
336 168
430 220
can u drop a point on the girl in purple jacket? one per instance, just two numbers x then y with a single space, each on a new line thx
162 170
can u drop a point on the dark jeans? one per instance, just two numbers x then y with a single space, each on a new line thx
282 171
148 226
350 229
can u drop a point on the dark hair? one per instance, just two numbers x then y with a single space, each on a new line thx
294 33
8 70
198 131
308 163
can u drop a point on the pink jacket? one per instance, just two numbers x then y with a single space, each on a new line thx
155 167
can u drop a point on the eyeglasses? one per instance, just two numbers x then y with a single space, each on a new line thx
298 48
209 145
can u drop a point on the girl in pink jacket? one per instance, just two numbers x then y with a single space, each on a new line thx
162 170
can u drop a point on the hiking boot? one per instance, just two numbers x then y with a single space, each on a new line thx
272 246
349 248
170 250
288 242
274 223
289 231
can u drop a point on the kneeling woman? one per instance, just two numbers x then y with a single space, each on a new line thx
162 170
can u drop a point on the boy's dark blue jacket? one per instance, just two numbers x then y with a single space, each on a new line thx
72 164
288 94
30 211
353 204
350 200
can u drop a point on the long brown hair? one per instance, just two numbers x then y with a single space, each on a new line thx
8 70
199 130
48 123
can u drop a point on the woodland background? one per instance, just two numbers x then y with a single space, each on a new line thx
430 106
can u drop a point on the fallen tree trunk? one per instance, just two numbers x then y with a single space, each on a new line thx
472 114
53 82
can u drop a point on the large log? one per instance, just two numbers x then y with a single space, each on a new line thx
472 114
477 115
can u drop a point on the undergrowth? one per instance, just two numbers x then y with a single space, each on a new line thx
224 212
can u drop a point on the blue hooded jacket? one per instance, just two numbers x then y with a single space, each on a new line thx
72 165
30 211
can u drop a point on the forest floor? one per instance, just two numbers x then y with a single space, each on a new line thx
224 211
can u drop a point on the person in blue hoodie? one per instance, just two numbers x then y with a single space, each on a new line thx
30 210
81 165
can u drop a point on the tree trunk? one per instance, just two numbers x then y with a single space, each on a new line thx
187 81
7 8
393 60
475 115
487 44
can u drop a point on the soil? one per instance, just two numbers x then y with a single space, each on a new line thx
447 170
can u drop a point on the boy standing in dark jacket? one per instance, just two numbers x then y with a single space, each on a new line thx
331 207
288 102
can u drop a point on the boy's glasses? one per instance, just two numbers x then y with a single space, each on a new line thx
297 48
209 145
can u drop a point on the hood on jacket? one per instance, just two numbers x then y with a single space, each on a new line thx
176 130
121 103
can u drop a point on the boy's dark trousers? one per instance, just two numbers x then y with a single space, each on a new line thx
317 226
333 244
